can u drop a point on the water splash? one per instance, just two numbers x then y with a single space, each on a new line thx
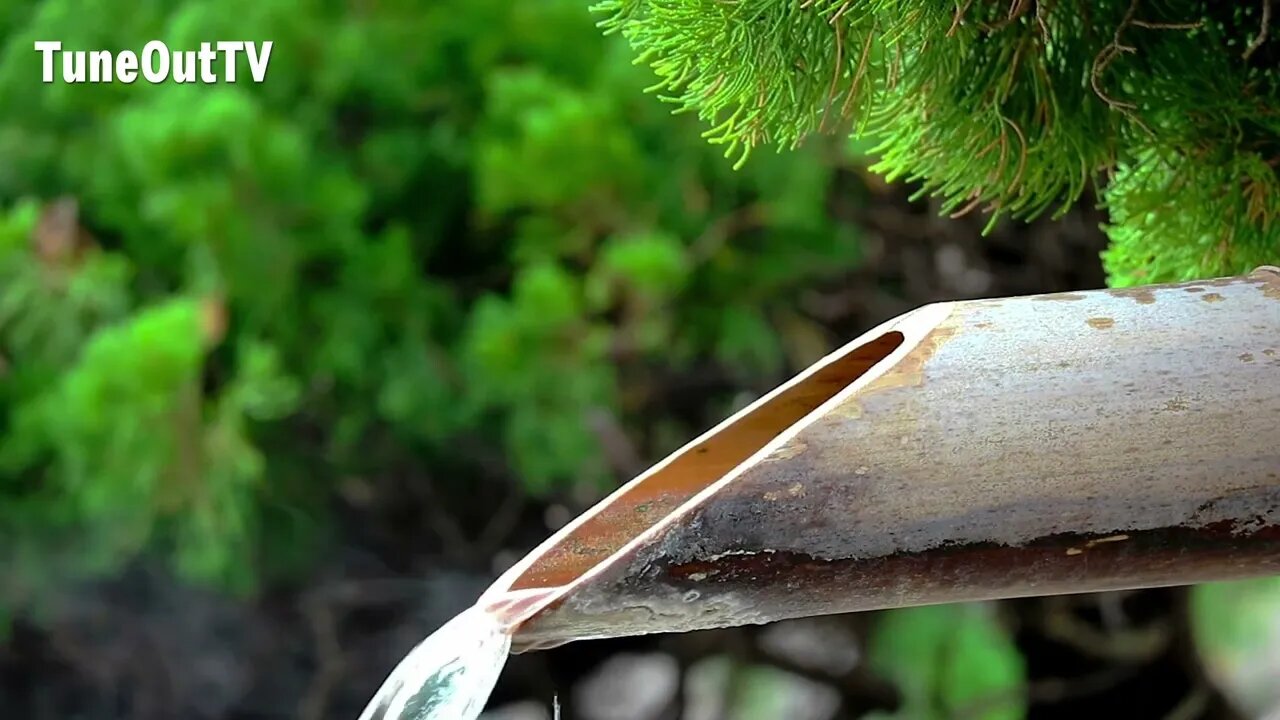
449 675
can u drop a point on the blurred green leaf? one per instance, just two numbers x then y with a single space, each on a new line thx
720 686
746 340
949 661
1236 626
653 264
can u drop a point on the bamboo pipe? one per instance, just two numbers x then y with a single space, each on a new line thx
1050 444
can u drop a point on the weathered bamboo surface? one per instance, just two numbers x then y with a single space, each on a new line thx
973 450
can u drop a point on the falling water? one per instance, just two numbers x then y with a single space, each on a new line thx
448 676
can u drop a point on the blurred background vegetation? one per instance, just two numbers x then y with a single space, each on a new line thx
289 372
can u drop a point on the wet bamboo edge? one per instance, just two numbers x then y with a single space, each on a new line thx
1051 444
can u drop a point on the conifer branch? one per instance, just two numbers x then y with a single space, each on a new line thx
1014 106
1261 37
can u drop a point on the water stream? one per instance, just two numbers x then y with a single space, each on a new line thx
449 675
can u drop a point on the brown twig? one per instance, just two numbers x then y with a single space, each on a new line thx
619 451
968 207
1167 26
1193 704
1108 54
961 11
860 73
447 528
314 703
1022 156
1129 646
1040 21
835 75
1262 34
725 227
503 522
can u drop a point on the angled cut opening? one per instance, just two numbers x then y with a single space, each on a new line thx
600 532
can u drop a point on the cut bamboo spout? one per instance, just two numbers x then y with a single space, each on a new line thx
972 450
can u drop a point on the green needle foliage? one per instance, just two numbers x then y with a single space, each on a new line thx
1171 109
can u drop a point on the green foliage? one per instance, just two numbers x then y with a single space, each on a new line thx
1015 109
438 234
750 691
1154 238
949 661
1236 626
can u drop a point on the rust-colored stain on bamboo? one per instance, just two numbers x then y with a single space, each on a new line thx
1141 295
786 452
908 371
1101 323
